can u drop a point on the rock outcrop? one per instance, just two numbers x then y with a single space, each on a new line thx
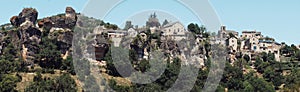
29 14
29 36
60 28
27 32
71 17
67 20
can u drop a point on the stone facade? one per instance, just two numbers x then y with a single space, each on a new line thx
251 34
175 31
224 33
250 42
132 33
233 44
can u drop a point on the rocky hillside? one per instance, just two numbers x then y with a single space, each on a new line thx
37 55
28 32
33 48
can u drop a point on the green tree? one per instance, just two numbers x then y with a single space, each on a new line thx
7 68
3 28
271 58
66 83
194 28
248 87
8 83
128 25
231 35
292 81
62 83
247 58
201 78
165 22
298 55
272 76
232 77
286 50
261 66
38 77
68 65
49 55
260 85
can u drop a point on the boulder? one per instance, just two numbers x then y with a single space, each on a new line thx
29 14
67 20
14 21
70 17
27 34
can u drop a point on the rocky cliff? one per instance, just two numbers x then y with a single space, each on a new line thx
30 32
67 20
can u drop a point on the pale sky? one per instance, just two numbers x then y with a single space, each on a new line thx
277 18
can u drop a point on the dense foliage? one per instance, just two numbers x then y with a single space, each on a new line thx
62 83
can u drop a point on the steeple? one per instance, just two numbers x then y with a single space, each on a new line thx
154 15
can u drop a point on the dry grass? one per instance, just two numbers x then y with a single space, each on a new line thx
27 78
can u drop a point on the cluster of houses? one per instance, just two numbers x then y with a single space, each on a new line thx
250 43
173 30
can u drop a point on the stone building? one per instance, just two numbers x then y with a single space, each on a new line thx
270 46
232 43
116 33
153 21
224 33
132 32
250 44
175 31
251 34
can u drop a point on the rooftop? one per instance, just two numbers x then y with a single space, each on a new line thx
251 32
171 24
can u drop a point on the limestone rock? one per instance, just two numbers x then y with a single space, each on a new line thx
67 20
71 17
29 14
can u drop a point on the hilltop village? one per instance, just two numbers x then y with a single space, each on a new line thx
251 43
37 55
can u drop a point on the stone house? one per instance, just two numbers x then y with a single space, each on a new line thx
251 34
250 44
216 40
174 30
269 46
224 33
116 36
140 46
116 33
132 33
233 44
